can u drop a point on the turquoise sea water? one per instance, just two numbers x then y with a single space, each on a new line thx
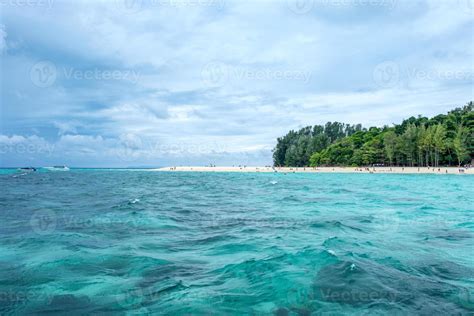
142 242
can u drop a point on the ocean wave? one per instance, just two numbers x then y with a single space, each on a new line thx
109 242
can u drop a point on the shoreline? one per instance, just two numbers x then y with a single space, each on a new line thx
381 170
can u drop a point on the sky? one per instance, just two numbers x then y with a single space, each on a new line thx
148 83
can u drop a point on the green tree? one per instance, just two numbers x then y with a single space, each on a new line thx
420 144
439 142
390 145
459 144
429 145
468 122
315 160
443 139
409 143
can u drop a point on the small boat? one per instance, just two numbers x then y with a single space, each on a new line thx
27 169
57 168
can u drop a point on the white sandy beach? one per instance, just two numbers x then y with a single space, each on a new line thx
395 170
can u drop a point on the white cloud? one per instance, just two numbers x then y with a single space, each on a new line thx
444 17
3 39
174 107
66 127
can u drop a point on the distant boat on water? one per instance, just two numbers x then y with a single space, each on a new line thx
57 168
27 169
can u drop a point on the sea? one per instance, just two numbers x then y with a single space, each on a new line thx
142 242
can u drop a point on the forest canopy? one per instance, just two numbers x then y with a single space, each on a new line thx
446 139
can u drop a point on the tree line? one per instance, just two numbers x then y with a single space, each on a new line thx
443 140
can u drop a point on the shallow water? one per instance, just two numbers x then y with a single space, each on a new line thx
138 242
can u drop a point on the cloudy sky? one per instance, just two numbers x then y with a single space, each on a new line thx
177 82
